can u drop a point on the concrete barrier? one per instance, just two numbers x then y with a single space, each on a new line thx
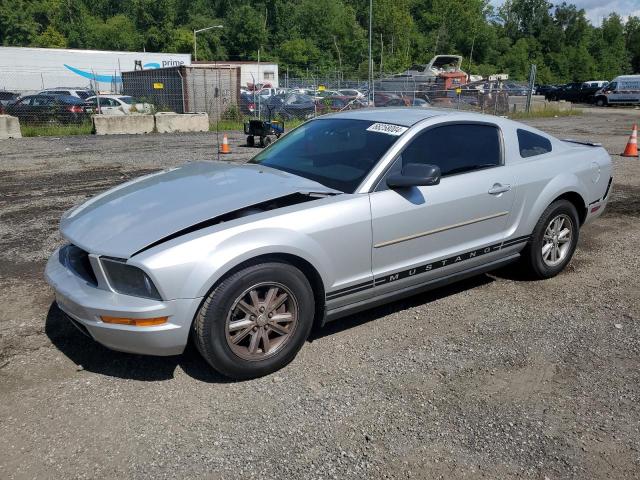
9 127
122 124
169 122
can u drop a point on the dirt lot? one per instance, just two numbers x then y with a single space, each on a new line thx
492 378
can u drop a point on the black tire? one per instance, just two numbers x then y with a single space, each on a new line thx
210 324
601 102
532 254
267 141
262 142
250 141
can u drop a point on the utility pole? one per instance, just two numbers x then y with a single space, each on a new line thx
371 92
381 53
195 40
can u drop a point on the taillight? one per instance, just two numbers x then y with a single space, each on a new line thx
252 107
75 109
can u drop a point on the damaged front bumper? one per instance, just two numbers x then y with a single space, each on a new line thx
86 304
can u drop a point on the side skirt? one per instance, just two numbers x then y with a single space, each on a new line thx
388 297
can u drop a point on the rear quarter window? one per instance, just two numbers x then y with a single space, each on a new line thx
531 144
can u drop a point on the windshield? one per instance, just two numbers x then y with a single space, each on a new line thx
338 153
127 100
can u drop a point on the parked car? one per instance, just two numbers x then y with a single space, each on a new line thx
589 90
596 83
320 94
267 92
515 89
338 103
48 109
81 93
348 211
117 105
247 103
8 97
351 92
623 90
419 102
288 106
575 92
545 89
388 99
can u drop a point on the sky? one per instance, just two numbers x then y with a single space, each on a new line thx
597 9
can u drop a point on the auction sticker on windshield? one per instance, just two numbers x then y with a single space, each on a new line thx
387 128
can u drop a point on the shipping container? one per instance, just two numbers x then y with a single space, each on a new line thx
251 73
34 69
186 89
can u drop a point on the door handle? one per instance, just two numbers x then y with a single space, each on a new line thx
498 188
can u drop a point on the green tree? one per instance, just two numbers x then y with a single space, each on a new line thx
16 25
50 38
244 32
116 33
632 39
297 55
608 45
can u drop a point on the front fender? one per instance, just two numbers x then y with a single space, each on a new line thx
244 246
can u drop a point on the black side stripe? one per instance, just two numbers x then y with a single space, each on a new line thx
427 267
515 241
349 290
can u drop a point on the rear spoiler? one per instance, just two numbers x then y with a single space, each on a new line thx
580 142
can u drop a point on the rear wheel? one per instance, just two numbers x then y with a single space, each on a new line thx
250 141
601 102
255 321
553 241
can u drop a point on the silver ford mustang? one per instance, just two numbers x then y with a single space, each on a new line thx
345 212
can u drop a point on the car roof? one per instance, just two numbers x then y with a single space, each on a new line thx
404 116
68 99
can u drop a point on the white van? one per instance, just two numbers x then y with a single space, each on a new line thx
622 90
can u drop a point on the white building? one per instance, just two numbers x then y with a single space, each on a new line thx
33 69
251 72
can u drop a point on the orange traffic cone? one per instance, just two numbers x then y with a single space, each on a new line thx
632 144
224 148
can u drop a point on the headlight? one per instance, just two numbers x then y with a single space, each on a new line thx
128 279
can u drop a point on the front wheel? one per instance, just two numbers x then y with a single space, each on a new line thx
553 241
255 321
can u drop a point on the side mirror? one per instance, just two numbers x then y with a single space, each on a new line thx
415 175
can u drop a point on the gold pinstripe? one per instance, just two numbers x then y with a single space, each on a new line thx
438 230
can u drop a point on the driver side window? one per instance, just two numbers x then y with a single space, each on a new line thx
455 149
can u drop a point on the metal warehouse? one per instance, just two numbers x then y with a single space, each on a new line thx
186 89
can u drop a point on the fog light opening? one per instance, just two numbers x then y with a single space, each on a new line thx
135 322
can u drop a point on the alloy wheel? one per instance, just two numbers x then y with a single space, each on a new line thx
556 243
261 321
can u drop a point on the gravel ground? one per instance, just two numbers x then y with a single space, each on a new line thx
494 377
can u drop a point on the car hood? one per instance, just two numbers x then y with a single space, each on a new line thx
129 217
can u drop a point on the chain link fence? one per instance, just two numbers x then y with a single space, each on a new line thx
217 90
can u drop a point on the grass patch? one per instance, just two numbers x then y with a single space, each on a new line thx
548 112
56 130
